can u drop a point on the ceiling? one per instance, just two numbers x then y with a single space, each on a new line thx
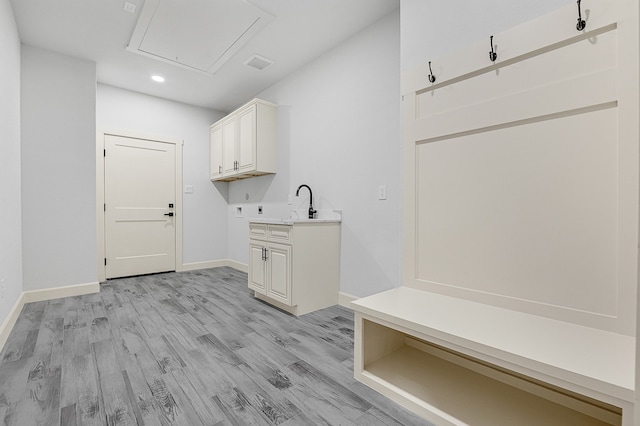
215 38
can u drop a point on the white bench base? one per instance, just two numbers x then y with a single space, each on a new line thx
443 358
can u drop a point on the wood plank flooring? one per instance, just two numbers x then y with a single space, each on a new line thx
191 348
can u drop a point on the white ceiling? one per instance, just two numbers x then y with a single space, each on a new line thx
100 30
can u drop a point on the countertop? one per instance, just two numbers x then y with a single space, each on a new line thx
299 216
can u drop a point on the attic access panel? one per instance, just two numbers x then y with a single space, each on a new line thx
196 34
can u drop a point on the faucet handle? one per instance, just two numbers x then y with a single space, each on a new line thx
312 212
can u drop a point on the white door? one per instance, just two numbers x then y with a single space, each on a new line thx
279 272
140 231
216 152
257 267
229 132
247 139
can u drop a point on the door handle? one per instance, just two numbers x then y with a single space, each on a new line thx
170 214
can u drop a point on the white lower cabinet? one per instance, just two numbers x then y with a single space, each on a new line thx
270 270
295 267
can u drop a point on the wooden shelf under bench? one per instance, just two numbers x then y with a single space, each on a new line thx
458 362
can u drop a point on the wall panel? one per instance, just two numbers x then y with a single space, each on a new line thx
520 192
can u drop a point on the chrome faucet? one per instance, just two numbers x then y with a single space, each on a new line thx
311 210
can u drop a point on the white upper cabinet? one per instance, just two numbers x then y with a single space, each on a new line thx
215 136
243 144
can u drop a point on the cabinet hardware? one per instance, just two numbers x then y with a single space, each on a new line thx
170 214
266 250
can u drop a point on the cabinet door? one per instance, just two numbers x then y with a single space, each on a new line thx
247 139
257 267
215 141
229 139
279 272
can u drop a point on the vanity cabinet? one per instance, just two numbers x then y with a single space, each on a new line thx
243 144
295 267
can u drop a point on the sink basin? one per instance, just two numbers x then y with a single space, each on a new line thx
299 216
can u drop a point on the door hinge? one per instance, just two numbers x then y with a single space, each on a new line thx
105 261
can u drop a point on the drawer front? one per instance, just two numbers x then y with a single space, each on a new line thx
279 233
258 230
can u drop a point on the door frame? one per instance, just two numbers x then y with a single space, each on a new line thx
100 194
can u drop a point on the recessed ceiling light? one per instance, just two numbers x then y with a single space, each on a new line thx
129 7
157 78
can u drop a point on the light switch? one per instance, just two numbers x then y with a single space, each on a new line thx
382 192
188 189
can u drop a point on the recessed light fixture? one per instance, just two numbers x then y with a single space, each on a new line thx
129 7
157 78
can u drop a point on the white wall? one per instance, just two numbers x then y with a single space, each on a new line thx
432 28
58 169
339 132
205 211
10 219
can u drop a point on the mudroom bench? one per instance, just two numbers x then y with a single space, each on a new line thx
457 362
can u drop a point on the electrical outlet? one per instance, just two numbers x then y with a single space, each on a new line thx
238 211
289 201
2 288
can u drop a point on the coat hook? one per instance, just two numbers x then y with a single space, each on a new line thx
581 23
432 78
492 55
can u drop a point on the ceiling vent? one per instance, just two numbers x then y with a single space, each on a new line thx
196 34
258 62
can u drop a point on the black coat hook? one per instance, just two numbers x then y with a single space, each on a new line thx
581 23
492 55
432 78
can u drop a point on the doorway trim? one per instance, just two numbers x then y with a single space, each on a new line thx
100 201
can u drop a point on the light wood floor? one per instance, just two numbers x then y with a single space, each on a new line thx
191 348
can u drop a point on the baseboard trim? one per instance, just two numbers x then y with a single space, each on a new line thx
345 299
242 267
194 266
215 264
59 292
7 325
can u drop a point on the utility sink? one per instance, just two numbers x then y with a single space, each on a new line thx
300 216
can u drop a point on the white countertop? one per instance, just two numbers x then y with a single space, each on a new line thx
300 216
